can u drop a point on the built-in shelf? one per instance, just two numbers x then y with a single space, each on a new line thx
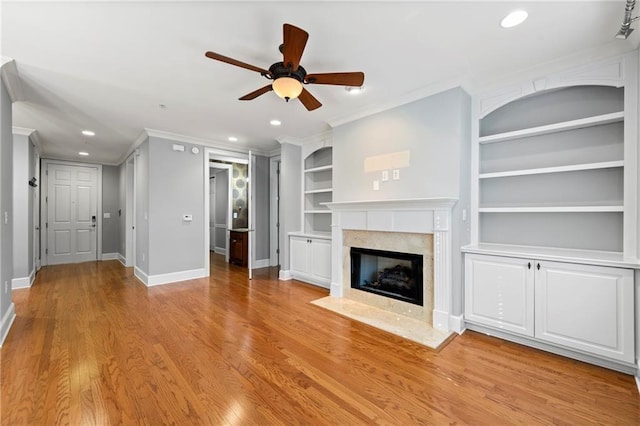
319 169
559 169
597 120
319 191
555 209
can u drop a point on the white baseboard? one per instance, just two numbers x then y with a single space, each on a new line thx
637 380
220 250
262 263
122 260
441 320
141 275
7 321
173 277
109 256
456 323
284 275
335 290
23 282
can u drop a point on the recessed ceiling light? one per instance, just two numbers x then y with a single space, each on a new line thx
162 106
275 122
88 133
233 139
516 17
353 90
83 153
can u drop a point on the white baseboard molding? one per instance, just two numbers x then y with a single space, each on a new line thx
122 260
441 320
141 275
335 290
638 379
7 321
262 263
456 323
23 282
284 275
173 277
110 256
220 250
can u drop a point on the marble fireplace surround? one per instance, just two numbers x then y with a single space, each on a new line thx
411 216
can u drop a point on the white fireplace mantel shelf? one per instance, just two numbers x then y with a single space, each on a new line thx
418 215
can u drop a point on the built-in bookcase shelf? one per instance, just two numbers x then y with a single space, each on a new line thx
318 190
559 169
557 209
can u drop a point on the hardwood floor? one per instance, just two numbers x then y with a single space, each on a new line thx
91 345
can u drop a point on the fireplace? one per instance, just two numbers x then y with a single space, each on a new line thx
387 273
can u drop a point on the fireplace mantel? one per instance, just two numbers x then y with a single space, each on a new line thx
419 215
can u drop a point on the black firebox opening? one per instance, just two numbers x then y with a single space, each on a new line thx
387 273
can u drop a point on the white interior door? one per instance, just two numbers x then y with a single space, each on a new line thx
71 213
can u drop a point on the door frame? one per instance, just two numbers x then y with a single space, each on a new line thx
228 169
233 157
44 193
36 210
130 211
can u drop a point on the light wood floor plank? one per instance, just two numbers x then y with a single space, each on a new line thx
92 345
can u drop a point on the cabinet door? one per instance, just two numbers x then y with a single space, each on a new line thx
589 308
235 247
320 260
499 293
299 259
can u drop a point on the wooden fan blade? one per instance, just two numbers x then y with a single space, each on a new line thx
309 102
257 93
338 78
235 62
295 39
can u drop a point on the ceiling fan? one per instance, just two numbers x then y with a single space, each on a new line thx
289 76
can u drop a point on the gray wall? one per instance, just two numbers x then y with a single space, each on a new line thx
22 207
290 193
122 206
436 132
261 199
142 207
176 187
110 204
6 205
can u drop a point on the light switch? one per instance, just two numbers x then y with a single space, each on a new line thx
177 147
235 215
376 185
385 175
396 174
107 215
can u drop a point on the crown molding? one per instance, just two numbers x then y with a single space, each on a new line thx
318 137
23 131
32 134
203 142
11 79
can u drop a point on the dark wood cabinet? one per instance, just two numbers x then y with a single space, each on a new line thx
238 248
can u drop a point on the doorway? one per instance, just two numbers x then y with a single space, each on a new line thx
71 211
219 207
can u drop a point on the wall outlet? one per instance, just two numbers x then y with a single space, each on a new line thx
396 174
376 185
385 175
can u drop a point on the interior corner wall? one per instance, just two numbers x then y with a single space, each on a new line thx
261 208
6 209
142 207
290 193
176 188
122 210
110 205
22 209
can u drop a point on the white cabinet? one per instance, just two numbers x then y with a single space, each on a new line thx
310 259
588 308
318 189
500 293
579 307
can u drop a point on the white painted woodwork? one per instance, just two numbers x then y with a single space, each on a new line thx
553 209
310 259
561 169
72 214
588 308
317 187
500 293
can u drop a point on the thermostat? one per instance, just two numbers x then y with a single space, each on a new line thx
195 150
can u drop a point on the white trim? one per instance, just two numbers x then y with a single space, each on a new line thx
7 322
141 275
11 78
172 277
110 256
558 169
637 379
274 219
22 131
284 275
456 323
24 282
143 136
220 250
262 263
122 260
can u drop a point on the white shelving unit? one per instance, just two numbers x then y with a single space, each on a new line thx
318 190
555 185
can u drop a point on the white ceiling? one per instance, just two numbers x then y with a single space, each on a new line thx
107 66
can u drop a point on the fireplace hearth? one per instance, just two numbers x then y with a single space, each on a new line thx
387 273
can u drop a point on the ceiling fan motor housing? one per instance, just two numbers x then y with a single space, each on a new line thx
278 70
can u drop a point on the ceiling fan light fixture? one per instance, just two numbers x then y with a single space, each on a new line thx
287 87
